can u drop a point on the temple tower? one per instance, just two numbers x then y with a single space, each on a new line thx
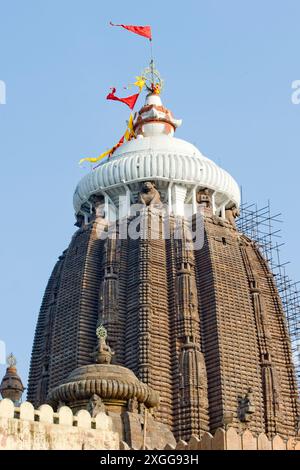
197 318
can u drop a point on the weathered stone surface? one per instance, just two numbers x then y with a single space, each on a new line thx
181 445
194 443
263 443
7 408
65 416
103 422
219 440
278 443
199 327
83 419
293 444
46 414
233 440
206 441
249 442
27 434
27 411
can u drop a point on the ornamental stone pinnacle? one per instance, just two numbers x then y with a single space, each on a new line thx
103 353
11 386
11 360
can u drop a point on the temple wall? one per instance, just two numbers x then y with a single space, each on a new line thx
230 330
25 428
201 328
230 439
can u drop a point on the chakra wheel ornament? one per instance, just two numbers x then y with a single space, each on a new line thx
154 82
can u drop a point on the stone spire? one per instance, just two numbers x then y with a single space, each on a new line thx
11 386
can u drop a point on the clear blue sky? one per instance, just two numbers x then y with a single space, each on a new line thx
228 68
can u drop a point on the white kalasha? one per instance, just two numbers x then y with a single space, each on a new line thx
176 166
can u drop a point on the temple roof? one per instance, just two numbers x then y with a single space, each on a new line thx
155 154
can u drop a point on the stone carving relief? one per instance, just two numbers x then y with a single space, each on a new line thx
149 196
98 206
203 198
246 406
231 214
95 406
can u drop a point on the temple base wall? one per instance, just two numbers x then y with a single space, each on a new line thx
27 429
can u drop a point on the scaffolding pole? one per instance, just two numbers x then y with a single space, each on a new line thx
262 226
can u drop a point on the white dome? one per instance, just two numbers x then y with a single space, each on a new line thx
164 159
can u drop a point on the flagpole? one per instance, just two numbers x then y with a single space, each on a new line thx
151 61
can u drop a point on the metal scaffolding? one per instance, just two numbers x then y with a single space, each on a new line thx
261 225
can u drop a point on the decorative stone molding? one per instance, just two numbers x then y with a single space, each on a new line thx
117 383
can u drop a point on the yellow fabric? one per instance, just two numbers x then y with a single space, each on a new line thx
129 134
130 122
129 131
94 160
140 82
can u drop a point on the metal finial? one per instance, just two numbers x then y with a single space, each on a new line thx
11 360
152 78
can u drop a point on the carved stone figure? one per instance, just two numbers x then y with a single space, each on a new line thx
98 206
79 220
246 407
149 194
95 406
133 405
231 214
203 198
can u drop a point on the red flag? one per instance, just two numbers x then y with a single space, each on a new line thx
121 142
129 100
141 30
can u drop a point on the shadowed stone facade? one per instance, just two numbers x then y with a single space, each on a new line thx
199 327
202 328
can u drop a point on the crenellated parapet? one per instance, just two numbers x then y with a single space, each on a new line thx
229 439
27 428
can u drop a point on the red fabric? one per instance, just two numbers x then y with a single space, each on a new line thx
141 30
121 142
129 100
